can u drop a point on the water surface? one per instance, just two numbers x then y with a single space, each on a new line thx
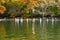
17 30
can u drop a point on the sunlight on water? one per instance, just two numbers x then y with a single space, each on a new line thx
20 29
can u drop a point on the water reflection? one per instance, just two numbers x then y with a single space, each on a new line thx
30 30
21 20
33 28
40 20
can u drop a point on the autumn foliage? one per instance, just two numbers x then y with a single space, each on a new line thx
28 8
2 9
32 3
21 1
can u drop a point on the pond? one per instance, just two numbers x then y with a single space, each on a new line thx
29 30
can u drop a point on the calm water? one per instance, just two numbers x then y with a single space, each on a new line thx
11 30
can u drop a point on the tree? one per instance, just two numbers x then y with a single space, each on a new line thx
2 9
53 10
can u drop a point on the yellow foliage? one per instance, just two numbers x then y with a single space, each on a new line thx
14 0
4 1
2 9
21 1
32 3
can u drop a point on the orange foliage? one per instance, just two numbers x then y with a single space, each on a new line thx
21 1
32 3
2 9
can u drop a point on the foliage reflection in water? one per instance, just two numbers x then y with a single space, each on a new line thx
28 30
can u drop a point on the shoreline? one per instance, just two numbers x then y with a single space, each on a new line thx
46 19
